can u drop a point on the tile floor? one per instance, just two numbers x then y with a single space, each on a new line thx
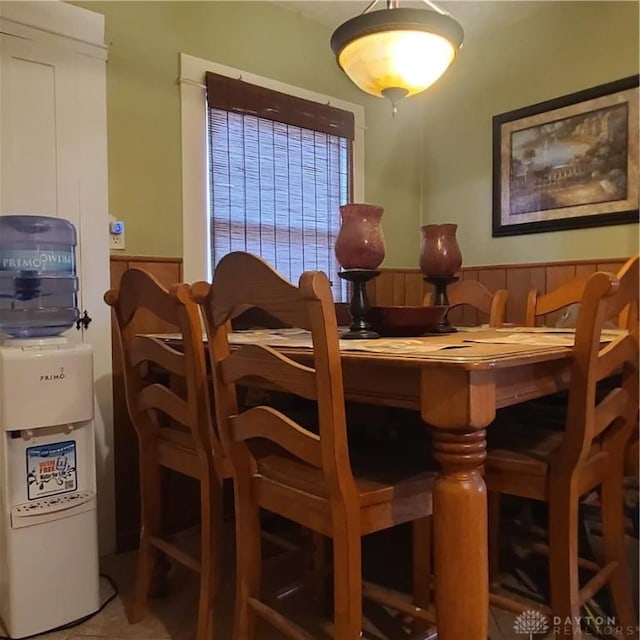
173 617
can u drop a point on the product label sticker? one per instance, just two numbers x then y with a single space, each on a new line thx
37 260
51 469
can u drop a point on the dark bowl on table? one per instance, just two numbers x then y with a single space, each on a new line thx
405 321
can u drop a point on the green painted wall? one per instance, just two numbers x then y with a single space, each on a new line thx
561 48
143 106
430 164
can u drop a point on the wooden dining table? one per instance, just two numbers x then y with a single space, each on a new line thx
457 382
457 391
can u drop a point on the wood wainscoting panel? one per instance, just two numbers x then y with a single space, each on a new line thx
395 287
406 287
519 283
168 271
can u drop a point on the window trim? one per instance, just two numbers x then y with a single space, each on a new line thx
193 116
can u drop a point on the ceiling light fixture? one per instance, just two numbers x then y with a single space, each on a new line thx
397 52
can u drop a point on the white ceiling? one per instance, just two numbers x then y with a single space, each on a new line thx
473 15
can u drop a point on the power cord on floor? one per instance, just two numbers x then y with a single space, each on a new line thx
75 623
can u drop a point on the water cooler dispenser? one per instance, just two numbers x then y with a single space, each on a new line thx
48 526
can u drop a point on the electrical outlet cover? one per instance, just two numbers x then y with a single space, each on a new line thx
117 241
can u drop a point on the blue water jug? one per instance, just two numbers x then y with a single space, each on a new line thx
38 282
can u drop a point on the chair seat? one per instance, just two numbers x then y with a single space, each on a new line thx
521 449
376 481
176 450
518 458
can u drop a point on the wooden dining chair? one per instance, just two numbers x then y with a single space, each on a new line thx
539 306
559 467
308 477
168 403
473 293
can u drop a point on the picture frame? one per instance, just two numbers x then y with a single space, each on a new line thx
568 163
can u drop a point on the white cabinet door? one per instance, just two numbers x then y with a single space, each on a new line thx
39 163
53 161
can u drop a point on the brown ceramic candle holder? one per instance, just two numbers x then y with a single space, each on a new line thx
360 328
360 251
440 259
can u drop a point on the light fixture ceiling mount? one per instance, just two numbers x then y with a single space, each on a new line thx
397 52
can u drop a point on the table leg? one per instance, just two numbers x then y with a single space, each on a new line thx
460 536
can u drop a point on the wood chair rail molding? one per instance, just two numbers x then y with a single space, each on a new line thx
406 287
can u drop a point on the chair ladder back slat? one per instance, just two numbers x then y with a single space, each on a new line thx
160 398
153 350
262 362
477 295
268 423
612 408
470 292
566 294
614 355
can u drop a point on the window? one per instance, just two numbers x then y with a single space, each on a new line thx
293 228
279 168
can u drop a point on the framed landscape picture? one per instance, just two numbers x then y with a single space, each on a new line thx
568 163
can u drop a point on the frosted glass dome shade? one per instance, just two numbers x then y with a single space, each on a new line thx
405 50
